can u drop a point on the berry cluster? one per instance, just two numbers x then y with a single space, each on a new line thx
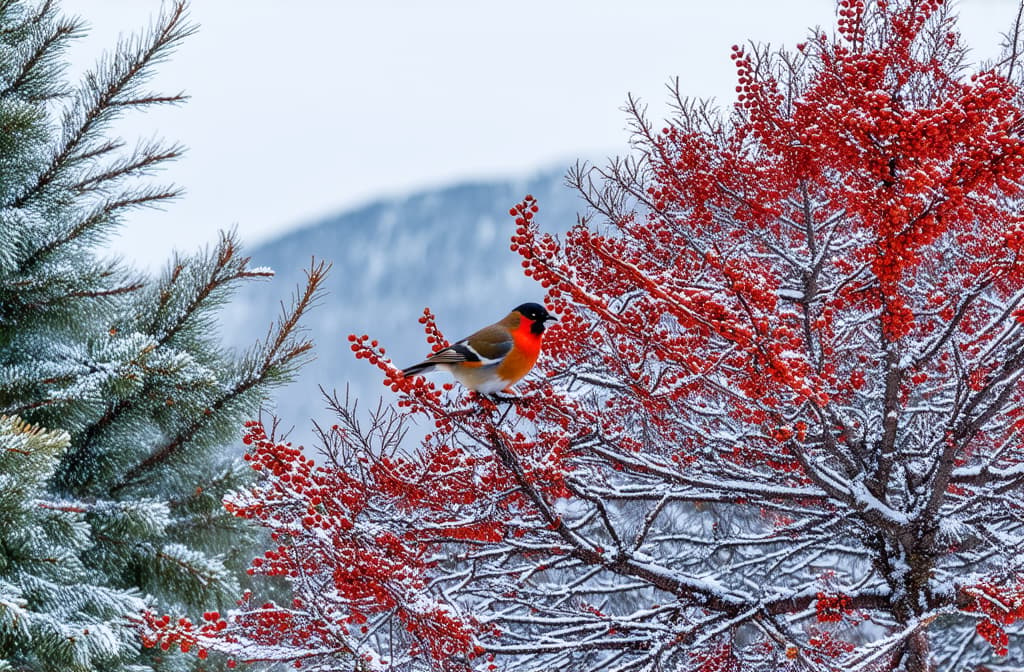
1001 604
165 633
832 608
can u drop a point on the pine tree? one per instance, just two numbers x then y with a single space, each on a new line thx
117 506
53 613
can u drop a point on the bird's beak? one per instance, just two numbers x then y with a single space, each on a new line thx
551 318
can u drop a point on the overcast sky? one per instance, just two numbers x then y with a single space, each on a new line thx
300 109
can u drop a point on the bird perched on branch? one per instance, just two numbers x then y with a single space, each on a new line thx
496 357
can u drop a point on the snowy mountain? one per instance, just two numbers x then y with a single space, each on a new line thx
446 249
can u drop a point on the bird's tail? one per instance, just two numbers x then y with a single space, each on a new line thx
416 369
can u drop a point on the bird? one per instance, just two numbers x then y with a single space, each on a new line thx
494 358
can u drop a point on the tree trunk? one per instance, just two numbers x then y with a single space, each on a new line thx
916 656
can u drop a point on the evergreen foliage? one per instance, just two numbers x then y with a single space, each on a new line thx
55 611
116 506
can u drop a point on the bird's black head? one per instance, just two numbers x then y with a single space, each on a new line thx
536 314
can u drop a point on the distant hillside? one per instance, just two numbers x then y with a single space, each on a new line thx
447 249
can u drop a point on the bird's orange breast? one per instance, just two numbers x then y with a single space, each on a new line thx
518 362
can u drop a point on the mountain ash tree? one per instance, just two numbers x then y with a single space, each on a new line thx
110 500
777 427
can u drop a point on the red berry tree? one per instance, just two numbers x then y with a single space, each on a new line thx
779 425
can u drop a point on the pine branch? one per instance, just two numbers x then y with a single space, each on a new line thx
33 19
226 269
77 287
114 291
223 268
130 65
107 146
283 351
220 270
276 345
141 162
62 32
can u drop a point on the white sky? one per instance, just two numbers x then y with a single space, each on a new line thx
299 109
